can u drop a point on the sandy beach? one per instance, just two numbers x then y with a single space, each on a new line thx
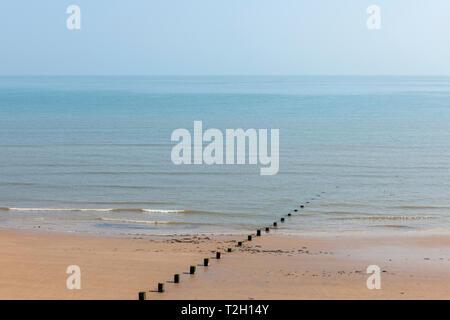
33 266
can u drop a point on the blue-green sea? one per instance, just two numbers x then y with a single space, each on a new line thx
92 154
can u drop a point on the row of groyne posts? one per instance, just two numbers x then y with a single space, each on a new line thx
192 269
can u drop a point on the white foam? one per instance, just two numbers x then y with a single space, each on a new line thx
136 221
162 211
59 209
95 210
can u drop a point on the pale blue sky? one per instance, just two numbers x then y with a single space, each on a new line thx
225 37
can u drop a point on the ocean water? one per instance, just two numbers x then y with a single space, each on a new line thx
92 154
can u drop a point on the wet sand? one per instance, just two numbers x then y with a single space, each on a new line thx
33 266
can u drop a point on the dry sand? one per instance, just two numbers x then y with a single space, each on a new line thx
33 266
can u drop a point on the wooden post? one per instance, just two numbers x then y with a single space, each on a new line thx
142 296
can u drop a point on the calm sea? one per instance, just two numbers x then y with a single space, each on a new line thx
92 154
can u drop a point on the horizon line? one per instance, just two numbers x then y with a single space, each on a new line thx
225 75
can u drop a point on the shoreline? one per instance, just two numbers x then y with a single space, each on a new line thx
272 266
222 231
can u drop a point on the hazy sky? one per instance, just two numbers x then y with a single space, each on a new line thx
225 37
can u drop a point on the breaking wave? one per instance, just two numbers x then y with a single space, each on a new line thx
110 210
94 210
138 221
